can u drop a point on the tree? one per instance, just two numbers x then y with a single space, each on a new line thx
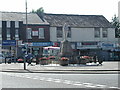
40 12
116 24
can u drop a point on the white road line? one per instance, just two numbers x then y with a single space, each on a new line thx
49 79
41 78
57 80
101 86
77 83
67 82
114 87
90 85
35 78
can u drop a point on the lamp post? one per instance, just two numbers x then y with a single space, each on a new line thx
26 34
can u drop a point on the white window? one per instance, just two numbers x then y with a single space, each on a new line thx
16 34
16 24
97 32
0 24
69 32
104 32
0 32
8 32
8 24
34 33
59 32
41 33
29 33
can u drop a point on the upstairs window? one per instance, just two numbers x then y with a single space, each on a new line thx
8 24
59 32
104 32
0 33
41 33
69 32
97 32
16 34
29 33
16 24
8 34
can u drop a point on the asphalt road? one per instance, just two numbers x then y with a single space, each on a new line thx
41 80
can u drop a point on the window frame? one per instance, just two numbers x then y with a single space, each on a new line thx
41 33
59 33
104 32
97 32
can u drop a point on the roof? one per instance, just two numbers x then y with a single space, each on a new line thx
19 16
77 20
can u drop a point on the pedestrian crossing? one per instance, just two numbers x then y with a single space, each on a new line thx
57 80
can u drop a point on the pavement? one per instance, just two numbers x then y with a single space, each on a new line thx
108 67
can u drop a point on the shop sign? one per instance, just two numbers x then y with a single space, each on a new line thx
42 44
107 45
9 42
89 43
36 49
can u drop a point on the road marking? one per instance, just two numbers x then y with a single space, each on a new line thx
49 79
101 86
68 82
57 80
77 83
42 78
35 78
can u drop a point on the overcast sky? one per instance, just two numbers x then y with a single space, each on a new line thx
106 8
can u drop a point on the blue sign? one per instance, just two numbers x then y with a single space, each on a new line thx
42 44
107 45
9 42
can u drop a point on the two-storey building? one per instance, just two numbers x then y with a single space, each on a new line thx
14 31
88 34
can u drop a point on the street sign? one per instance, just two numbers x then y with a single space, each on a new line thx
42 44
9 42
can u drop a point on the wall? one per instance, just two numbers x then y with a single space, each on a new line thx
84 34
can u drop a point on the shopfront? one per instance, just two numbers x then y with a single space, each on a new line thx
36 48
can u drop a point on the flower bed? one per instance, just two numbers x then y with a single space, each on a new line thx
64 61
43 60
85 59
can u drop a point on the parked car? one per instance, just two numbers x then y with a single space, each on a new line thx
20 60
2 58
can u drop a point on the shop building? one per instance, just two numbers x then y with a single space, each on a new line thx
14 31
88 34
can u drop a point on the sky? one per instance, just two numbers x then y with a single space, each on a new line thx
107 8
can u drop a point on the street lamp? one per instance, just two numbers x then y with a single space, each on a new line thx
26 34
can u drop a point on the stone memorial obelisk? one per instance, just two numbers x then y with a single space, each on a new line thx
66 49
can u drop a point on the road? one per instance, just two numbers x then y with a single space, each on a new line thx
45 80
